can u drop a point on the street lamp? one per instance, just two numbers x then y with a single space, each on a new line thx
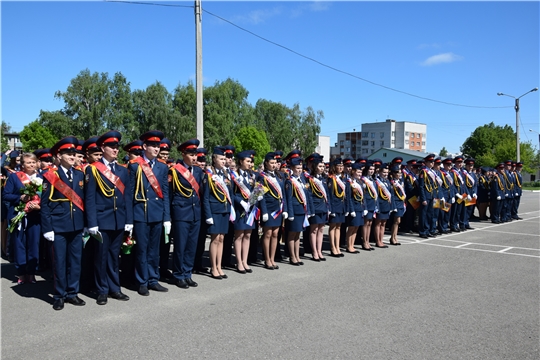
531 130
517 117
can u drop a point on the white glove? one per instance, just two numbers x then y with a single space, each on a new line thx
245 205
506 195
265 217
310 216
167 227
346 214
285 215
453 200
353 214
365 212
517 194
459 196
443 200
291 218
395 210
498 198
469 198
129 228
260 198
474 196
49 235
333 214
93 230
210 221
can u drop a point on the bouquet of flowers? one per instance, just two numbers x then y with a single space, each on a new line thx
32 191
127 245
257 193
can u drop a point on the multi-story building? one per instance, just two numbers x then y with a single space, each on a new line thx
389 134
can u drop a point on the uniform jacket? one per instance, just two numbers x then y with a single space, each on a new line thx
185 203
214 199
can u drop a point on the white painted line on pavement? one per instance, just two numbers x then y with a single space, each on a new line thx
504 250
462 245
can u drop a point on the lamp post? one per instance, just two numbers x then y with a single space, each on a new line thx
517 117
531 130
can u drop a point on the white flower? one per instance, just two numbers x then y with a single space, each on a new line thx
215 177
37 181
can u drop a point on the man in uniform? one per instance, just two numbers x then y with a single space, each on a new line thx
109 202
518 191
151 211
471 184
134 149
448 194
229 236
498 192
62 221
458 207
201 238
509 195
427 187
165 242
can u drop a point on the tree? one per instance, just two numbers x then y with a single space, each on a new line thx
57 123
6 128
185 104
309 130
274 119
443 152
249 138
484 139
34 136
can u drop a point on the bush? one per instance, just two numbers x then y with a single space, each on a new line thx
532 184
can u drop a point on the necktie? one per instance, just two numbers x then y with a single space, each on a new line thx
190 169
112 167
69 175
152 163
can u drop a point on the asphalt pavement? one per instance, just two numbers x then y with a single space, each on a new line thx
470 295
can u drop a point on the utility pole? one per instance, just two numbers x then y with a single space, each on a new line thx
198 76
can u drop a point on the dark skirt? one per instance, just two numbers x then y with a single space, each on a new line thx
221 224
400 212
319 218
358 220
271 221
297 225
369 215
338 219
383 216
240 222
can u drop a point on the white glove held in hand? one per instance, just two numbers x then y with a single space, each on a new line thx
285 215
260 198
265 217
291 218
498 198
93 230
453 200
365 212
459 196
128 228
245 205
353 214
474 196
333 214
49 235
210 221
167 227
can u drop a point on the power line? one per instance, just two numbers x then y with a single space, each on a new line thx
316 61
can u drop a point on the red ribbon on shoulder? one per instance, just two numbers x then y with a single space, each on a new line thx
107 173
64 189
147 170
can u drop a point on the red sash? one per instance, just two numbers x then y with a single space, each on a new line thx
105 171
64 189
188 176
149 175
25 179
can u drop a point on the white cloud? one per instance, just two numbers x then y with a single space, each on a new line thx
442 58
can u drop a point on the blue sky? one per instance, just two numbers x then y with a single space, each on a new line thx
454 52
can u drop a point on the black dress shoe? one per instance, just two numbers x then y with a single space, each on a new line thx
430 235
241 271
101 299
276 267
353 252
496 221
224 276
455 230
158 287
300 263
58 304
341 254
166 275
217 277
249 271
334 255
322 259
191 283
469 228
269 267
143 290
294 263
182 284
424 236
77 301
382 247
317 260
119 296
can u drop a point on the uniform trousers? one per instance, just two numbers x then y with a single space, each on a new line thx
444 220
66 253
515 207
201 245
186 234
106 261
456 216
433 228
497 210
148 236
424 217
26 246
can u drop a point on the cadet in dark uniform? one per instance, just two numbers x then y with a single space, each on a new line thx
151 211
218 210
509 195
62 221
108 195
355 205
427 186
398 201
518 191
471 183
164 245
458 206
338 205
185 191
448 191
201 240
229 235
498 192
384 205
483 193
318 191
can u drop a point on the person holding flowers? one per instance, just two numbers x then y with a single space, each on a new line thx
23 192
110 214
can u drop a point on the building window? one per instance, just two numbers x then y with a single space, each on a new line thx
341 143
382 135
347 142
423 143
417 143
412 135
364 151
373 135
372 143
406 142
372 151
406 133
348 149
382 142
393 133
365 134
365 143
393 142
418 136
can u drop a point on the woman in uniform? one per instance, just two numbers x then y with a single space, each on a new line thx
218 211
398 202
318 191
273 209
370 203
245 207
384 205
355 205
336 198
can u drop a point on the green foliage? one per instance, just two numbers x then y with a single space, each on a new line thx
443 152
4 142
34 136
249 138
276 120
